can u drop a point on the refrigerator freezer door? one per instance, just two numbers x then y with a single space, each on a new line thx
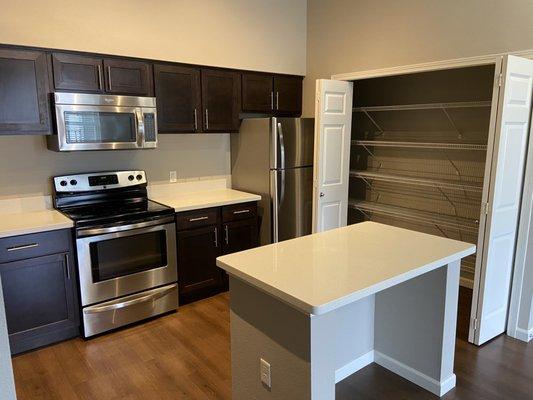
292 192
292 142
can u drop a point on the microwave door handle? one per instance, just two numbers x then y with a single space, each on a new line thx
140 128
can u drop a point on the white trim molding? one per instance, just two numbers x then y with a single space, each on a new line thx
430 66
415 376
521 334
354 366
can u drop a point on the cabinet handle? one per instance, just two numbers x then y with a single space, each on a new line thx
109 77
241 212
277 100
206 119
100 84
67 263
271 100
198 219
216 237
227 234
23 247
195 121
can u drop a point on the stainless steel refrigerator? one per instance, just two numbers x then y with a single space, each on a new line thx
273 157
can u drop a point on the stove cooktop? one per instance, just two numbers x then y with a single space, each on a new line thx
120 212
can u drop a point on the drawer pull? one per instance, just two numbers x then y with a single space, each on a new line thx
23 247
198 219
241 212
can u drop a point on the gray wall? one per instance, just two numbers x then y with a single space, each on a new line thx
7 385
27 165
357 35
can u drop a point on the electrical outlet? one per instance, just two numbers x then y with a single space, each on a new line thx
173 176
265 374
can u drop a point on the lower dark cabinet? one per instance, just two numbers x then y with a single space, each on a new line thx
202 237
240 235
40 300
198 275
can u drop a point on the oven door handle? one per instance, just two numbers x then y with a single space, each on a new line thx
121 228
143 299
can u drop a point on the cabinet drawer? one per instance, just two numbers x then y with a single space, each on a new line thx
197 218
237 212
34 245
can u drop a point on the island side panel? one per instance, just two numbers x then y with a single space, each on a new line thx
415 326
342 342
264 327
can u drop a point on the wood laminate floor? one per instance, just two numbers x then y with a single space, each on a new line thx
186 355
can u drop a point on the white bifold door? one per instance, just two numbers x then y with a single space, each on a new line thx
492 283
333 121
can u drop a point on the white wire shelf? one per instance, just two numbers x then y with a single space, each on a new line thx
420 145
425 106
416 216
412 180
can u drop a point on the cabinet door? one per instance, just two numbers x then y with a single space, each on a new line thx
177 90
240 235
128 77
40 303
221 93
197 253
288 95
77 73
257 94
24 106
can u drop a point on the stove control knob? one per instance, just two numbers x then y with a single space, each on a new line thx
131 177
139 177
73 182
63 183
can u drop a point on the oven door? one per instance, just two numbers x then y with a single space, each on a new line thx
134 259
91 127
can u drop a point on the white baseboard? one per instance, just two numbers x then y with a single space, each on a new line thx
525 336
417 377
354 366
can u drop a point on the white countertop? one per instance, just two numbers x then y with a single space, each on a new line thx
23 223
321 272
204 199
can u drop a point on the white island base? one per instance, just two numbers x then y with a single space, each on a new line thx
403 318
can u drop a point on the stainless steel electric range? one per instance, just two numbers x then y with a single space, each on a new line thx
126 248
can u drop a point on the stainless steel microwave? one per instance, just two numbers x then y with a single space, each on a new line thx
103 122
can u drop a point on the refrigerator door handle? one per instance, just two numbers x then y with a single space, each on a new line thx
274 190
281 147
282 187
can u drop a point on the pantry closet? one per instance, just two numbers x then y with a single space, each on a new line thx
442 151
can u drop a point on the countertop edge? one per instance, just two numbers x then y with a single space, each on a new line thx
332 305
36 229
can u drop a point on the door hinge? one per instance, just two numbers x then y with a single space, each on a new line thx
474 324
500 78
486 208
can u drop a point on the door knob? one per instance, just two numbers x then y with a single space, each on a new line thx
321 194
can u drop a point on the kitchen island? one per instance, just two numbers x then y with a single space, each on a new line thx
318 308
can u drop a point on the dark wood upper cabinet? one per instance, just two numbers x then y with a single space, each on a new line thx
257 92
128 77
24 106
221 100
288 95
77 73
179 101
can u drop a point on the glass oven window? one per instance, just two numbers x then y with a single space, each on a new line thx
100 127
127 255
